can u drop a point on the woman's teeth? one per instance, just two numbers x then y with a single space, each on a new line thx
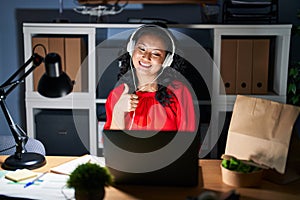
145 64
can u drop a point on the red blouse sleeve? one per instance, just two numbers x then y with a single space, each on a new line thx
186 111
111 100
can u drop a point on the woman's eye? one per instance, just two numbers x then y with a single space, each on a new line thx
156 54
141 48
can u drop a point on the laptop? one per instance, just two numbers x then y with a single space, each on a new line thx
165 158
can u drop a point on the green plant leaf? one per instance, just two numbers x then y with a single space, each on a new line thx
293 72
295 99
239 166
225 163
90 176
292 88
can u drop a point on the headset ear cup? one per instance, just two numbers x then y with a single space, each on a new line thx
168 61
130 47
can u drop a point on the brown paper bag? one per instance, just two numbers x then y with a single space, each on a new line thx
292 171
260 130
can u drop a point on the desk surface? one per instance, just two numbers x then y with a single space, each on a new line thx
212 180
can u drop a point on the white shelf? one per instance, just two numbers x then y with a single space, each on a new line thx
282 34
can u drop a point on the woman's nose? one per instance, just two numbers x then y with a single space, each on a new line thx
147 55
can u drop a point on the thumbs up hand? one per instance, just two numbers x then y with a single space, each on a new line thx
127 102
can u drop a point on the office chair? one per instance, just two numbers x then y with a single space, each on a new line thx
250 11
7 145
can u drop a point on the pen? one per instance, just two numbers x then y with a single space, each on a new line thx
34 180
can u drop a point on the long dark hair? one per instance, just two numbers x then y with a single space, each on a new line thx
169 74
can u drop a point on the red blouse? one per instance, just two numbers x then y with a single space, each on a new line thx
151 115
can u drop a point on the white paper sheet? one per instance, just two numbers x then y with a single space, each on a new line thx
70 166
51 186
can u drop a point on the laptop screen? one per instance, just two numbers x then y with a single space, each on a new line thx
152 158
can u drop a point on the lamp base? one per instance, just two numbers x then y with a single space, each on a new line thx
29 160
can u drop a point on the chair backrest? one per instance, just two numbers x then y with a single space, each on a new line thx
7 145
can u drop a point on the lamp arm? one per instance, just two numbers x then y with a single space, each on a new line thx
18 133
36 59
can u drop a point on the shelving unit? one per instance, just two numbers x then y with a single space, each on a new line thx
281 57
87 100
76 100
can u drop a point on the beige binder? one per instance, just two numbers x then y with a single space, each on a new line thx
260 66
57 45
75 55
228 64
39 71
244 66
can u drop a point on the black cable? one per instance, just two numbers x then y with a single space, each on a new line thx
37 45
7 148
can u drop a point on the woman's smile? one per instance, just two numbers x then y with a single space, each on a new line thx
144 64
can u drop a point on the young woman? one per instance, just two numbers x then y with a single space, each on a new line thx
151 94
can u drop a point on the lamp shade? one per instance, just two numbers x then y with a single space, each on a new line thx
54 83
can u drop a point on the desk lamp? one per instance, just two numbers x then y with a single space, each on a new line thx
54 83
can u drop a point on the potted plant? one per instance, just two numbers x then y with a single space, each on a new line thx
89 181
240 173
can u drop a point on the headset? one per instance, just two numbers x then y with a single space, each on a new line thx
169 58
167 62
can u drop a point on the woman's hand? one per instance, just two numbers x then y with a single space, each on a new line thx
126 103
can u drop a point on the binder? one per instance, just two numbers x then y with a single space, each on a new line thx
57 45
228 64
39 71
244 66
72 52
74 56
261 48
